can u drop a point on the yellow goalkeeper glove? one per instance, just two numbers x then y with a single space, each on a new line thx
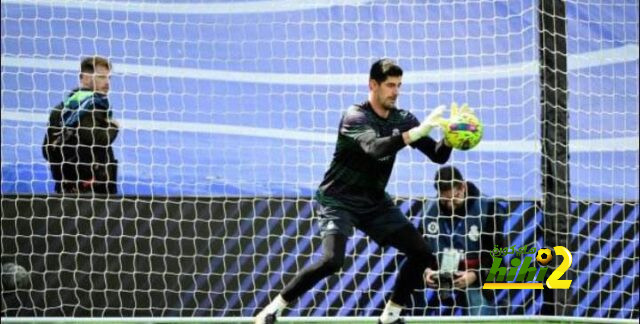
433 120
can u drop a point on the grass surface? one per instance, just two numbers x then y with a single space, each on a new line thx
284 321
314 320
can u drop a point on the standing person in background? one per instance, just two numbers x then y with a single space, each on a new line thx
462 227
352 193
80 133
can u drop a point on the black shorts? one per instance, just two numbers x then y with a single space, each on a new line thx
377 224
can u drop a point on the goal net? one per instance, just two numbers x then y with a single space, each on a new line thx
228 116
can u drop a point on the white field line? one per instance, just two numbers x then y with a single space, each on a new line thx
228 7
514 146
627 53
333 319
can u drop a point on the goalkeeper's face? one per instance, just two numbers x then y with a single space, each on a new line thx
386 93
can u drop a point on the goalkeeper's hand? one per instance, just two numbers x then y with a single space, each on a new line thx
455 111
434 119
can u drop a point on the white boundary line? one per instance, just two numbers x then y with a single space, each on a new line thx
627 53
207 8
513 146
151 125
418 319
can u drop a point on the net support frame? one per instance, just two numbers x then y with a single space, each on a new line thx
554 139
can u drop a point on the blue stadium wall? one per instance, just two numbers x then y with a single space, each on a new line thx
227 257
170 117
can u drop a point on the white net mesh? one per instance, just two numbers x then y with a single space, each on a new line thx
229 112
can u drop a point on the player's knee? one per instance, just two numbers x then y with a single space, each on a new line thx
420 250
411 243
421 255
332 264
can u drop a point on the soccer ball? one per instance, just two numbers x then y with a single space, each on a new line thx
544 256
14 276
464 131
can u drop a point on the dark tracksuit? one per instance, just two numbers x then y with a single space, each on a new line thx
352 194
364 156
78 144
473 230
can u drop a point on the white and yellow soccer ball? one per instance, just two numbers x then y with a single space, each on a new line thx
464 130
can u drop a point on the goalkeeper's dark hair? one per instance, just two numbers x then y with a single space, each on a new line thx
384 68
447 177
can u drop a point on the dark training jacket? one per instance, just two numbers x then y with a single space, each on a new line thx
364 157
78 144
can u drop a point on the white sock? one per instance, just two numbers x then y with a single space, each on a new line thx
276 306
391 312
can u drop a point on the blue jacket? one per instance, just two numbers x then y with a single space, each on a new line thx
471 230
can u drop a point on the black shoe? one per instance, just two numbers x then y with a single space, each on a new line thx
270 319
267 319
398 321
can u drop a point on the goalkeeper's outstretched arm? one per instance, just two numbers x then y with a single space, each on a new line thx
438 152
355 125
381 146
418 137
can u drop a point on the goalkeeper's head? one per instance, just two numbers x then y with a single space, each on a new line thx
451 187
385 79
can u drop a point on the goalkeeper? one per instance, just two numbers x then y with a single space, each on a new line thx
352 193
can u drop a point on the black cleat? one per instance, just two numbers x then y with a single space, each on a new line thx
263 318
270 319
398 321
